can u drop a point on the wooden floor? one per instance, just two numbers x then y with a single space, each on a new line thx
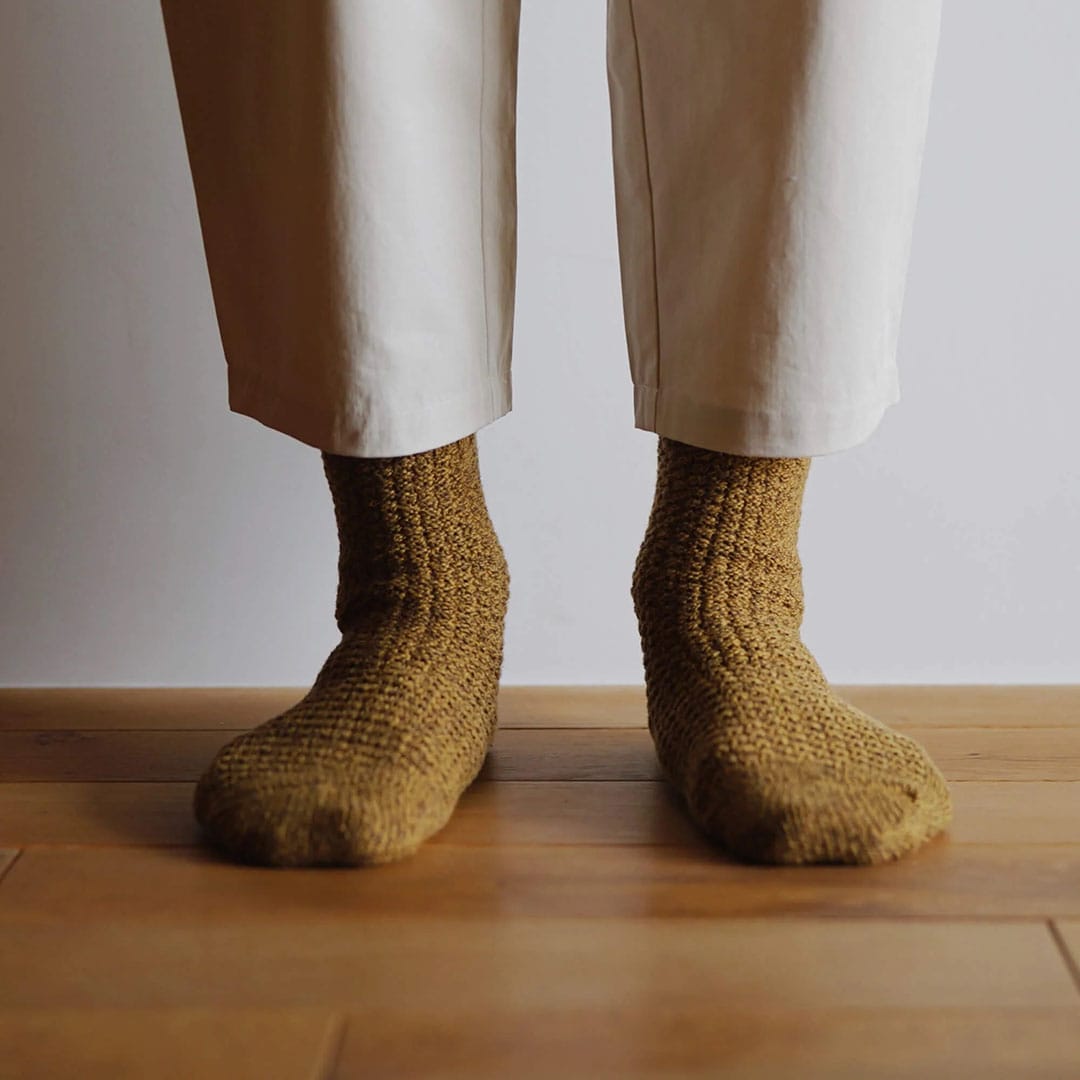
568 922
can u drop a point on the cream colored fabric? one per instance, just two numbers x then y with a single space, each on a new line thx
354 168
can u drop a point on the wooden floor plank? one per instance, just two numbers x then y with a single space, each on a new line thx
981 753
167 708
182 885
508 812
96 813
969 706
1004 754
708 1039
82 755
1020 813
621 1039
524 963
569 916
178 1044
39 709
973 753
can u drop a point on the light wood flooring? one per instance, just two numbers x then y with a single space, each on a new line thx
568 922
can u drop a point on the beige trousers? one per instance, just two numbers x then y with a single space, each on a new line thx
354 170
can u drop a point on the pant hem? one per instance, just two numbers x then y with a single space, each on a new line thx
805 433
363 431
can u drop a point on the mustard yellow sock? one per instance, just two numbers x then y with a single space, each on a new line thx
373 760
771 764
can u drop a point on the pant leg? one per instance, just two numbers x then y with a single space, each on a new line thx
767 157
353 164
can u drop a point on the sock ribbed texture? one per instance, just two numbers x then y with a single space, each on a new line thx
397 724
770 762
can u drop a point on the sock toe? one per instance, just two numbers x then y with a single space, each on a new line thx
318 820
796 815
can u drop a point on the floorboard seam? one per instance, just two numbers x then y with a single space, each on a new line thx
1066 953
328 1069
4 871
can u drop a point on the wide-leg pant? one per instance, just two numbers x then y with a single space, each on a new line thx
354 170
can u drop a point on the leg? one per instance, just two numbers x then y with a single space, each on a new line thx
765 202
353 162
353 165
767 157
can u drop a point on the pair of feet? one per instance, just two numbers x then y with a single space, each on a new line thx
769 762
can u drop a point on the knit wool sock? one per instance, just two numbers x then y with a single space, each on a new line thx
771 764
400 717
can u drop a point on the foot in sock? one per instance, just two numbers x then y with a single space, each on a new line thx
397 724
770 763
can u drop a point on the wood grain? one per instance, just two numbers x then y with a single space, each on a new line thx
424 965
173 1044
55 755
166 709
194 886
707 1039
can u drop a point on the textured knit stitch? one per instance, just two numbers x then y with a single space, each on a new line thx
770 763
397 724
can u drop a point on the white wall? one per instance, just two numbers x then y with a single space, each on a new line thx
148 536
